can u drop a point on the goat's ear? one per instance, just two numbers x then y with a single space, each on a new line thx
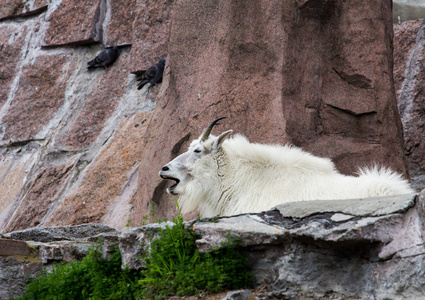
219 140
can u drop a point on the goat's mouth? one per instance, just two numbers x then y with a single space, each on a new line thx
171 188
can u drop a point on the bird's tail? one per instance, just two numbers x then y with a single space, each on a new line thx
142 84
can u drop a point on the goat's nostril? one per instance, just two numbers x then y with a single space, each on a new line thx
165 168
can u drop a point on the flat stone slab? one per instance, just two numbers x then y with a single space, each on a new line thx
249 229
12 247
376 206
342 221
60 233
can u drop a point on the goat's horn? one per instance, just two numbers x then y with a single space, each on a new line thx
207 130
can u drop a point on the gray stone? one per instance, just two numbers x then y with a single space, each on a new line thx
310 219
360 249
60 233
376 206
409 82
250 229
341 217
14 274
133 243
238 295
63 251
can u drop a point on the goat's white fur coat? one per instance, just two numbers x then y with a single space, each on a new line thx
233 176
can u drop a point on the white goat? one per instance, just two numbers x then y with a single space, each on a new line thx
231 176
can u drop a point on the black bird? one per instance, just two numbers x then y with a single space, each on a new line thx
152 75
104 58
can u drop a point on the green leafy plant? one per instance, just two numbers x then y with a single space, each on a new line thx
92 278
128 224
174 266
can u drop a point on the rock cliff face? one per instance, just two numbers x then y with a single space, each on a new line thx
409 75
81 146
70 139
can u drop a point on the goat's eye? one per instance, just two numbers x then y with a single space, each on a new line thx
197 150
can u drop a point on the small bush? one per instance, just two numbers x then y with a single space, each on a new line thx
174 266
92 278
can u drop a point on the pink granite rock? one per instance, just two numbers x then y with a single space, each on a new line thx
41 195
89 117
72 24
11 42
40 93
151 32
107 180
120 30
18 8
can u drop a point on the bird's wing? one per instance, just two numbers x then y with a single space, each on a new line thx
158 74
99 59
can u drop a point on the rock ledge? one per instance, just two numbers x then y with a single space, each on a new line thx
359 249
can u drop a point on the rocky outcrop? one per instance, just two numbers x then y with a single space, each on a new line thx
328 250
80 146
409 70
44 247
358 249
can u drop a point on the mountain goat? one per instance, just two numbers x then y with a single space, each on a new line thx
227 176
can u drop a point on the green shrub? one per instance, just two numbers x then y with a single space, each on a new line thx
92 278
174 266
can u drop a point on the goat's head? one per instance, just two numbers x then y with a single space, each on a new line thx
179 169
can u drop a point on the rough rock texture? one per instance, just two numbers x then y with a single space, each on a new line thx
79 146
40 94
409 76
114 166
151 31
317 75
60 233
71 139
18 8
71 24
11 41
353 249
134 241
40 197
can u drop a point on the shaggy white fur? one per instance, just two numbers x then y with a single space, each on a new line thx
232 176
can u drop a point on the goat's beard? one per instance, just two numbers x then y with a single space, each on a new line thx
191 196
